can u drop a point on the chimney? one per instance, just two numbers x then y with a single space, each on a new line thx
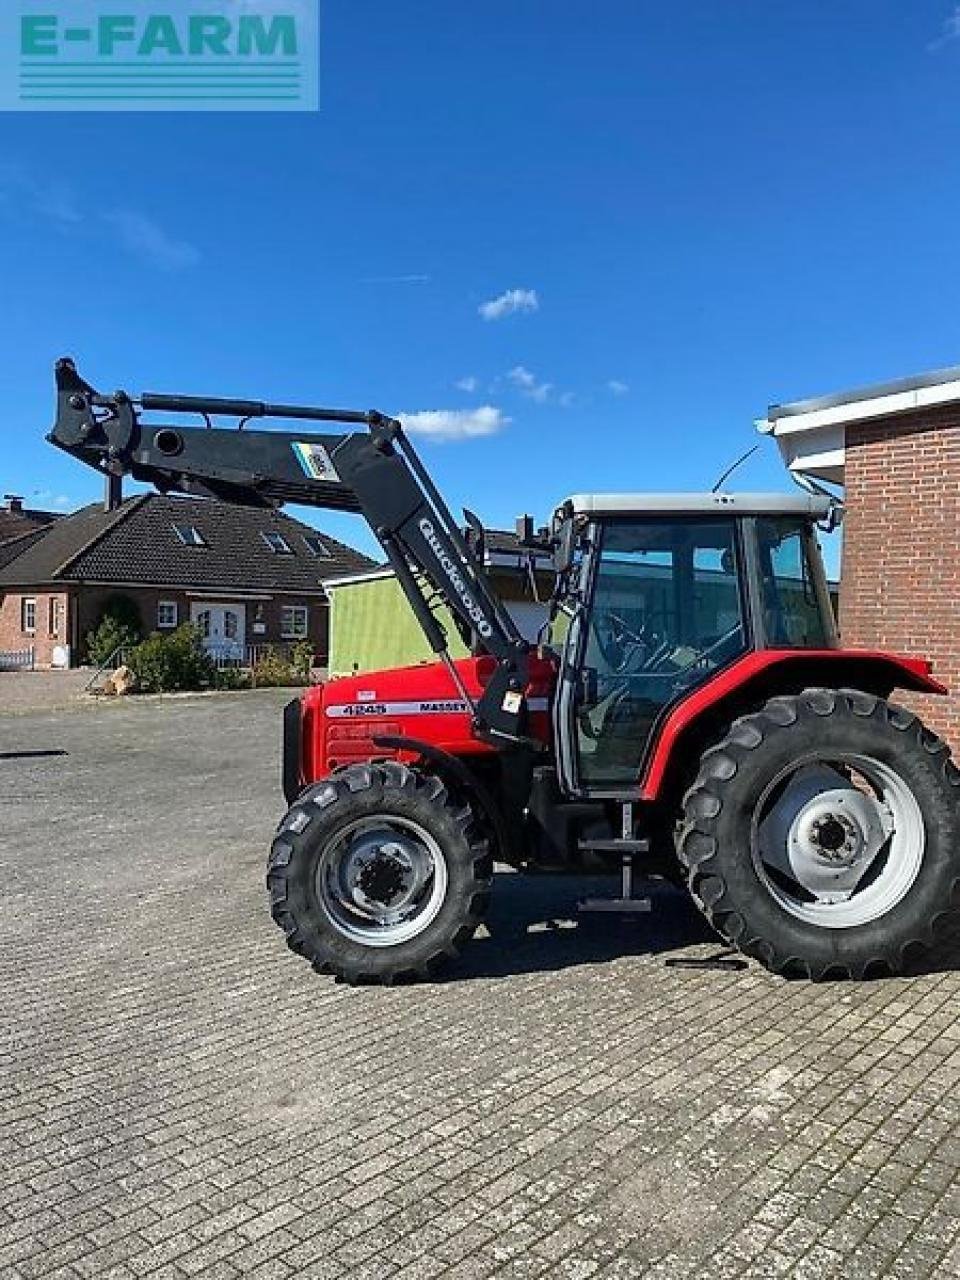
14 502
113 492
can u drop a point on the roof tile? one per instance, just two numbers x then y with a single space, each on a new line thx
136 544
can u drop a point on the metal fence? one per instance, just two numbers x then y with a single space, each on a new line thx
244 657
235 657
17 660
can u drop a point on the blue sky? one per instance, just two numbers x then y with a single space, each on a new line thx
691 210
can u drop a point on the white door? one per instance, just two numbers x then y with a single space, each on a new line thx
222 628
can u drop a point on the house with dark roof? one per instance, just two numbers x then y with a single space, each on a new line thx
244 576
17 520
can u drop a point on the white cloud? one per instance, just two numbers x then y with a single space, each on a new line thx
508 303
468 384
54 201
412 279
528 384
618 388
950 31
50 500
142 236
454 424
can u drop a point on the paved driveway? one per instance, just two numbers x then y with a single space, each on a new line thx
22 691
180 1096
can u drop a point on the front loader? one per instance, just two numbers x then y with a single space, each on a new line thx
690 713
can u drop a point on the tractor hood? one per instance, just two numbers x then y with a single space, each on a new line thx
343 717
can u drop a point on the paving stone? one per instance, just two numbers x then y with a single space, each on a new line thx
180 1097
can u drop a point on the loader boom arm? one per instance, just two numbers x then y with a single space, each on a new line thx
374 471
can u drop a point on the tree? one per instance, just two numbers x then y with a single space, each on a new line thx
120 627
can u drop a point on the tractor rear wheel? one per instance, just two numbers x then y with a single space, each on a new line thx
378 874
822 835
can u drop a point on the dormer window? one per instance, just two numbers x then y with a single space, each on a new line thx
189 535
316 546
276 542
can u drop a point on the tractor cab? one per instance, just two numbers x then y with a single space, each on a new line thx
656 594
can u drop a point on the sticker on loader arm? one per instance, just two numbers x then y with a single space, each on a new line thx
315 461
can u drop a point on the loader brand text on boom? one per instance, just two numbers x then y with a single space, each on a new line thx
455 577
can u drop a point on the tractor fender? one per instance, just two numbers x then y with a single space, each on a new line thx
766 673
453 769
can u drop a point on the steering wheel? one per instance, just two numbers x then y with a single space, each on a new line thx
624 644
706 656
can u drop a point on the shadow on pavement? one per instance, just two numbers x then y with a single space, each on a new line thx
33 755
534 926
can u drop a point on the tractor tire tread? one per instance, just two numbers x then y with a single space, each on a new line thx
698 844
339 788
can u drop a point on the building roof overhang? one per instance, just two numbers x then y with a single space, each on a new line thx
811 434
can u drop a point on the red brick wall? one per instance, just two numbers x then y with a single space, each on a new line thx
44 638
93 599
901 549
82 610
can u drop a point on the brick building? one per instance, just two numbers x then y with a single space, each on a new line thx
244 576
895 449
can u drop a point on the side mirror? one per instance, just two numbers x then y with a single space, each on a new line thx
833 519
566 545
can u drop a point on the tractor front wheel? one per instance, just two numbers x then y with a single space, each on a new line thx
822 835
378 873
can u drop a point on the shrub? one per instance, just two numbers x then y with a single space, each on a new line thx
177 661
302 659
120 627
231 678
273 669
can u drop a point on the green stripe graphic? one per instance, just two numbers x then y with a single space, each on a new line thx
184 78
165 97
140 62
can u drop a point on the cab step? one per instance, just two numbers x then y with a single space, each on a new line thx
628 847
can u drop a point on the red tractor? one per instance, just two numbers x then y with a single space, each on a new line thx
689 713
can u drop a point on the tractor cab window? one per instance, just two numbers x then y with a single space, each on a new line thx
795 614
666 612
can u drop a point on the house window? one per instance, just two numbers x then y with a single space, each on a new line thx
293 621
316 546
167 614
276 542
55 616
28 615
189 535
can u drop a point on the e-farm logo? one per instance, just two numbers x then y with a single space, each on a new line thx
178 55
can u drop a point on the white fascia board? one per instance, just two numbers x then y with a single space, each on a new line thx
821 454
492 560
350 580
863 410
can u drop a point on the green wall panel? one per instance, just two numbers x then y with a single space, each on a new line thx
372 627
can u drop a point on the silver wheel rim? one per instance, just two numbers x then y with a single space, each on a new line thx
381 881
838 841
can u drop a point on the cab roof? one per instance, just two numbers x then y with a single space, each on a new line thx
744 504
